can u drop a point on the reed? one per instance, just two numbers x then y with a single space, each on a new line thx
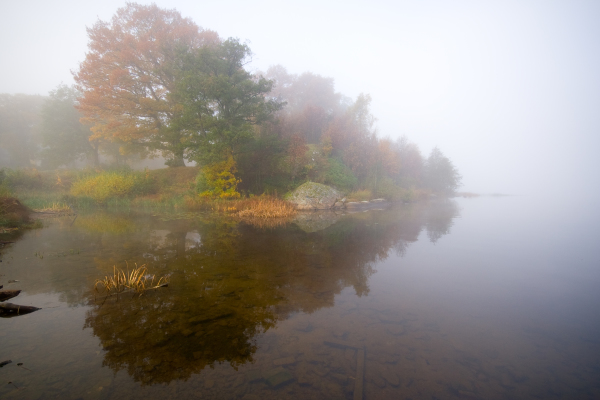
136 280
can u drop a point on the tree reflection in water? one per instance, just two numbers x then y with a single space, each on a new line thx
231 281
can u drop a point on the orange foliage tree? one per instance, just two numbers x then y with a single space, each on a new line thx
129 73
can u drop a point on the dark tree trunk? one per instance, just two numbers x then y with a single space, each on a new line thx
94 157
177 160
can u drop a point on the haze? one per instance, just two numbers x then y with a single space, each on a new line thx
508 90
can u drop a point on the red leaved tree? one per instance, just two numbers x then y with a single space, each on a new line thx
129 73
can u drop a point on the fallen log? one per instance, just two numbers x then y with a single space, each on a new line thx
10 310
8 294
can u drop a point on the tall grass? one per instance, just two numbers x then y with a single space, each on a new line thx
136 280
111 184
257 207
264 207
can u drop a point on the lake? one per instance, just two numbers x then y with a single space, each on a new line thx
479 298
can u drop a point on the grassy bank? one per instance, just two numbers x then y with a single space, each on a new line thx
154 190
91 188
14 217
169 188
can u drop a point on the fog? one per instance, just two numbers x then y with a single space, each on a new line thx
508 90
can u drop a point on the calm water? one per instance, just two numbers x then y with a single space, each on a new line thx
485 298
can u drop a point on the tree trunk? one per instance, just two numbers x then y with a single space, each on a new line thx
177 160
94 157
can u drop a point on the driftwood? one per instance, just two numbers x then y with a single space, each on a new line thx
10 310
8 294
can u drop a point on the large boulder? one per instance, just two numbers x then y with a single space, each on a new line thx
314 196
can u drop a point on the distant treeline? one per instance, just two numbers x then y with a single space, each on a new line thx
155 84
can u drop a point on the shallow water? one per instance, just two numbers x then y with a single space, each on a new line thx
485 298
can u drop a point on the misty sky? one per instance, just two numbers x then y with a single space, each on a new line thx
509 90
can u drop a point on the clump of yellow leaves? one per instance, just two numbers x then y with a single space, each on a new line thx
219 181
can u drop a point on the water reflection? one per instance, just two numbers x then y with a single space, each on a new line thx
231 281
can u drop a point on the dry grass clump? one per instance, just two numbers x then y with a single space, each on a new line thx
264 207
125 281
260 207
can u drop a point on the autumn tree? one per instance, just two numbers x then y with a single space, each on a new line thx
129 74
64 138
440 173
311 102
411 163
359 138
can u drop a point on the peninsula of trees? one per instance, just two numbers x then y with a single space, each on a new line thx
154 84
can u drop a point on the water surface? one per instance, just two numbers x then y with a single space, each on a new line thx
485 298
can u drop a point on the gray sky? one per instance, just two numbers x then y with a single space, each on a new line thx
509 90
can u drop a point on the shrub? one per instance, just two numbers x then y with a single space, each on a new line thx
109 184
218 180
388 190
339 175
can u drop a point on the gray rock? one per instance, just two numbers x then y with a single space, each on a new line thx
315 221
314 196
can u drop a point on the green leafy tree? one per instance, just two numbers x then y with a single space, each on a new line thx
64 138
441 175
221 101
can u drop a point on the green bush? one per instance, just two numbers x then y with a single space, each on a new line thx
339 175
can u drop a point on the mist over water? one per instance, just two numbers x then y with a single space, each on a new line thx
488 297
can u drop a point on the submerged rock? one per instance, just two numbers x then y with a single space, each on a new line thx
314 196
315 221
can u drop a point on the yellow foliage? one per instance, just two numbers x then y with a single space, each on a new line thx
104 185
220 181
